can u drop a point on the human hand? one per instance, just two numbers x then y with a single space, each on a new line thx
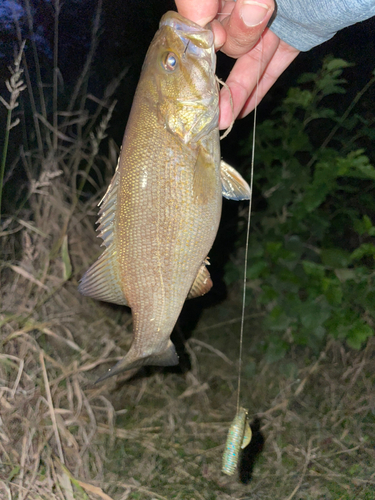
237 27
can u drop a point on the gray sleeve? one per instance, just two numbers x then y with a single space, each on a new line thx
303 24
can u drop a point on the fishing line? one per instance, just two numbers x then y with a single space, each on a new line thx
231 107
248 229
239 434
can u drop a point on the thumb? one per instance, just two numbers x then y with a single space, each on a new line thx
245 25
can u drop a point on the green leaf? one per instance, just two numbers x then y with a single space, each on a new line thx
314 314
316 194
356 165
268 295
327 85
277 320
332 289
363 226
13 473
273 248
307 78
323 113
255 250
313 269
365 250
276 349
337 63
256 269
298 97
319 332
294 244
369 302
359 334
335 257
345 274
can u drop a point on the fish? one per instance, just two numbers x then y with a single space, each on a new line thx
161 212
239 436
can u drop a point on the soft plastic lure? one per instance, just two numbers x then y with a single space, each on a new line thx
239 436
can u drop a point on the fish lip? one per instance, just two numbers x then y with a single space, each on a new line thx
202 37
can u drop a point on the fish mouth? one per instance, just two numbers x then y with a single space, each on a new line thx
195 47
201 37
198 41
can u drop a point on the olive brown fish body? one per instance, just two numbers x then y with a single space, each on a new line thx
161 212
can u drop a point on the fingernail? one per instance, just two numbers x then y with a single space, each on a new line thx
253 13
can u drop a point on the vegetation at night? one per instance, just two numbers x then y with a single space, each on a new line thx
312 252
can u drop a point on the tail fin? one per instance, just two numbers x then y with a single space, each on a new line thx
166 358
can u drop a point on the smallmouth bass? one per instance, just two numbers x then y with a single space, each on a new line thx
160 214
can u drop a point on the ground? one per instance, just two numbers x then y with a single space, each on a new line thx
161 434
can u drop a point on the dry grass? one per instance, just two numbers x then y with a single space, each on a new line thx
49 409
63 437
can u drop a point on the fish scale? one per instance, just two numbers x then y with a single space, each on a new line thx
161 212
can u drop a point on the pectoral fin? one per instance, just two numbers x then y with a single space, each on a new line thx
234 186
204 176
202 283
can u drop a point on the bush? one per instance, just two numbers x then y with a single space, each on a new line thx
312 251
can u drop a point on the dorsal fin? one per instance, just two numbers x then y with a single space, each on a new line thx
101 281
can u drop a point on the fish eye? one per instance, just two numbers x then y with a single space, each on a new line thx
170 61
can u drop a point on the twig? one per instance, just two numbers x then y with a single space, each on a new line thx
142 489
311 371
307 461
212 349
229 322
51 408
